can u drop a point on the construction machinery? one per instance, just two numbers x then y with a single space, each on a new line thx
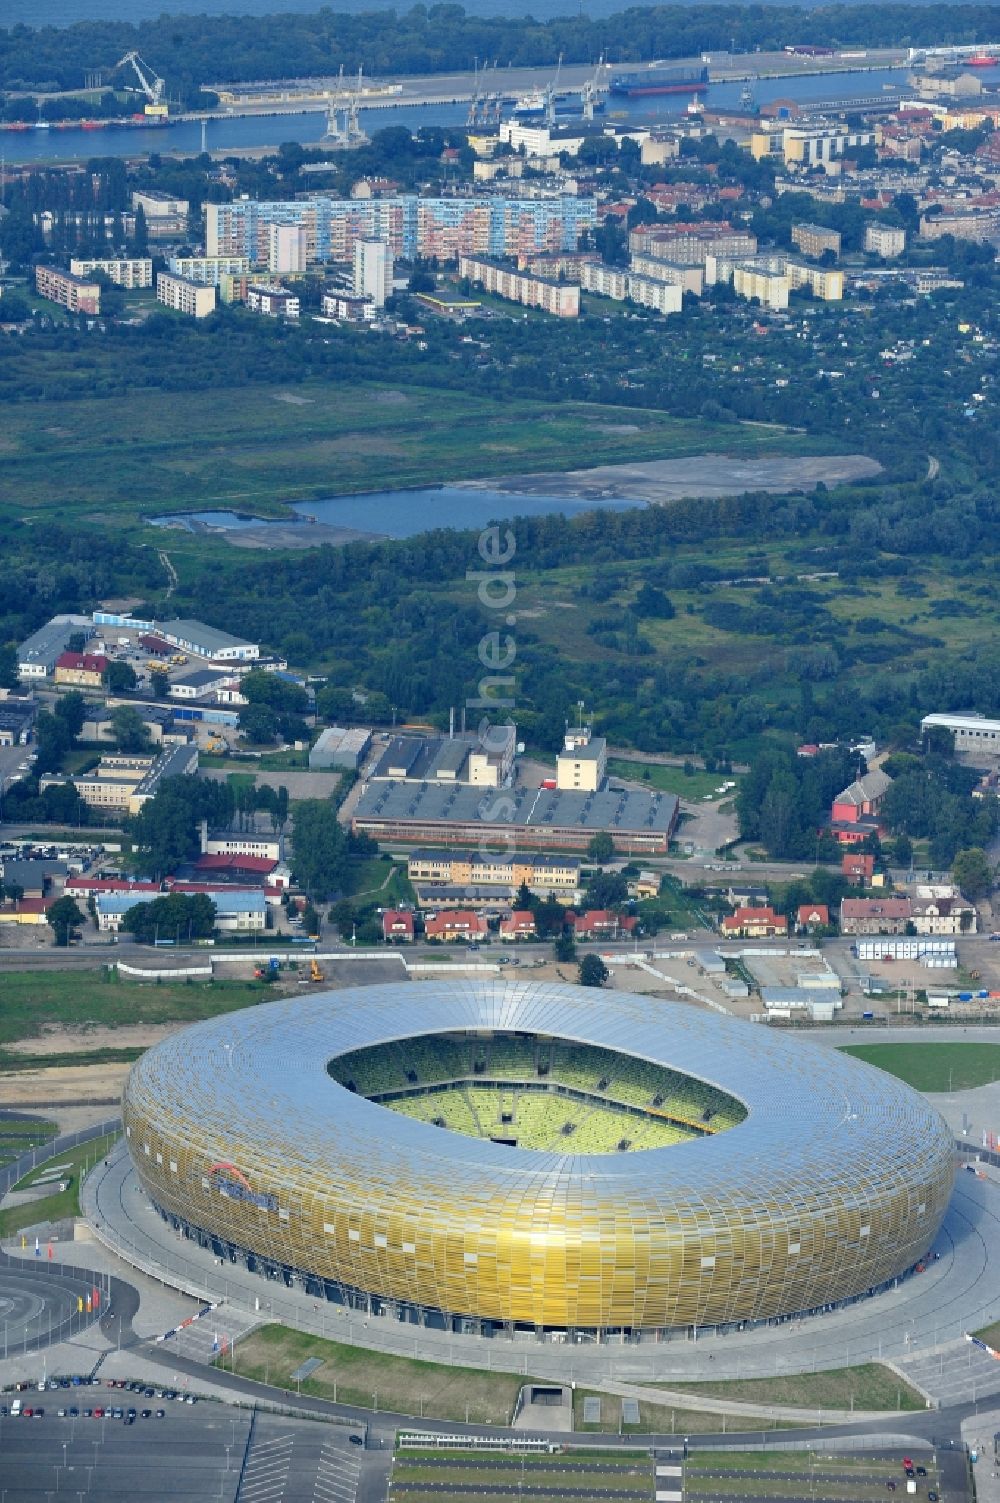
149 83
315 973
266 971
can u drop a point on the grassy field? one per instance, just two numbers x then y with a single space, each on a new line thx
30 1000
869 1386
252 449
567 1473
721 1475
691 786
990 1334
18 1137
373 1380
62 1202
654 1419
934 1066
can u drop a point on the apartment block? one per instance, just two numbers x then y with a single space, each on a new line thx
689 276
559 298
347 306
606 281
75 294
648 292
193 298
373 271
814 240
408 225
770 288
137 272
160 205
208 269
274 302
885 240
691 242
287 249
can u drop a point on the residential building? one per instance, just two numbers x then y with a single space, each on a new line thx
656 150
84 670
972 732
207 642
336 747
975 225
409 225
458 924
689 276
127 272
601 923
125 782
885 240
583 762
348 307
874 915
274 302
808 146
544 875
196 299
770 288
559 298
26 911
692 241
38 654
812 916
287 249
519 925
75 294
940 909
858 868
208 269
650 292
815 239
373 268
647 885
754 923
605 281
160 205
770 278
397 926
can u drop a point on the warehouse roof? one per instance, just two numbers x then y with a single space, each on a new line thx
526 808
207 639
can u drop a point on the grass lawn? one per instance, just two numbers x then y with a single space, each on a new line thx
659 1419
31 999
990 1334
869 1386
672 779
62 1202
18 1137
934 1066
249 448
788 1461
373 1380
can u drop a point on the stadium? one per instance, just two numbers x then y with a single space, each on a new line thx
500 1156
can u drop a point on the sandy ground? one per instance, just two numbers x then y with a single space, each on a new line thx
660 480
65 1085
56 1039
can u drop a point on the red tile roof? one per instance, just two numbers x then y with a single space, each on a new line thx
87 661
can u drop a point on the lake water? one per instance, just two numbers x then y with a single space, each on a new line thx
402 514
308 128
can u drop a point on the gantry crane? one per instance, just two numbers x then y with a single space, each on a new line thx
150 85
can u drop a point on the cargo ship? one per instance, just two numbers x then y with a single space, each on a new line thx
982 60
653 80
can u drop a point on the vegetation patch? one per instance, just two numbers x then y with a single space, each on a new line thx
934 1066
73 1166
867 1387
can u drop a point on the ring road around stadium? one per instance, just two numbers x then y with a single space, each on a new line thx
503 1155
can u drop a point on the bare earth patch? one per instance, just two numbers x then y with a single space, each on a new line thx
56 1039
391 399
660 480
65 1085
293 399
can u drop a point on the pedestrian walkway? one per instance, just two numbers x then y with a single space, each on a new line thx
957 1373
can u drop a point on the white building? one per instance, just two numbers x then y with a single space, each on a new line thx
582 763
941 909
192 298
373 268
972 733
160 205
207 642
347 306
135 272
273 302
287 251
209 269
885 240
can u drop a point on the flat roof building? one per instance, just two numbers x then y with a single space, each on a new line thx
337 747
207 641
972 732
559 298
75 294
814 239
38 654
134 272
195 299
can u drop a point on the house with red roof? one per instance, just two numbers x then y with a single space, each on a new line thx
858 868
602 923
754 923
518 925
812 916
84 669
397 926
459 924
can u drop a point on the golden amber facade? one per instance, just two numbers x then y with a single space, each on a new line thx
836 1181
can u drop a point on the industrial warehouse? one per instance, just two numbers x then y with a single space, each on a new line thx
322 1141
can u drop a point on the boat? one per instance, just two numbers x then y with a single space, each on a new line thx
535 105
982 60
654 80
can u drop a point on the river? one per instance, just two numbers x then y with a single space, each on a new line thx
308 128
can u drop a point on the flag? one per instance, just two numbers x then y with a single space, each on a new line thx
79 1304
38 1250
50 1249
96 1296
23 1242
215 1343
89 1305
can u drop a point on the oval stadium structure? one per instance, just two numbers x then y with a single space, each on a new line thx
495 1154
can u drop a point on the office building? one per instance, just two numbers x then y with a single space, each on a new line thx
208 642
192 298
373 271
583 762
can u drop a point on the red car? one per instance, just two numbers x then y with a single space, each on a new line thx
907 1463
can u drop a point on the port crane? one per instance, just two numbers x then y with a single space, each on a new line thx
551 93
486 105
348 132
150 85
593 88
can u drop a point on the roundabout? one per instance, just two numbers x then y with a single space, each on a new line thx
336 1146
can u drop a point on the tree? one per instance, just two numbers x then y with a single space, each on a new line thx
565 949
259 724
601 847
593 971
320 846
140 240
973 874
71 710
120 678
176 915
128 729
606 889
63 917
903 850
165 831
